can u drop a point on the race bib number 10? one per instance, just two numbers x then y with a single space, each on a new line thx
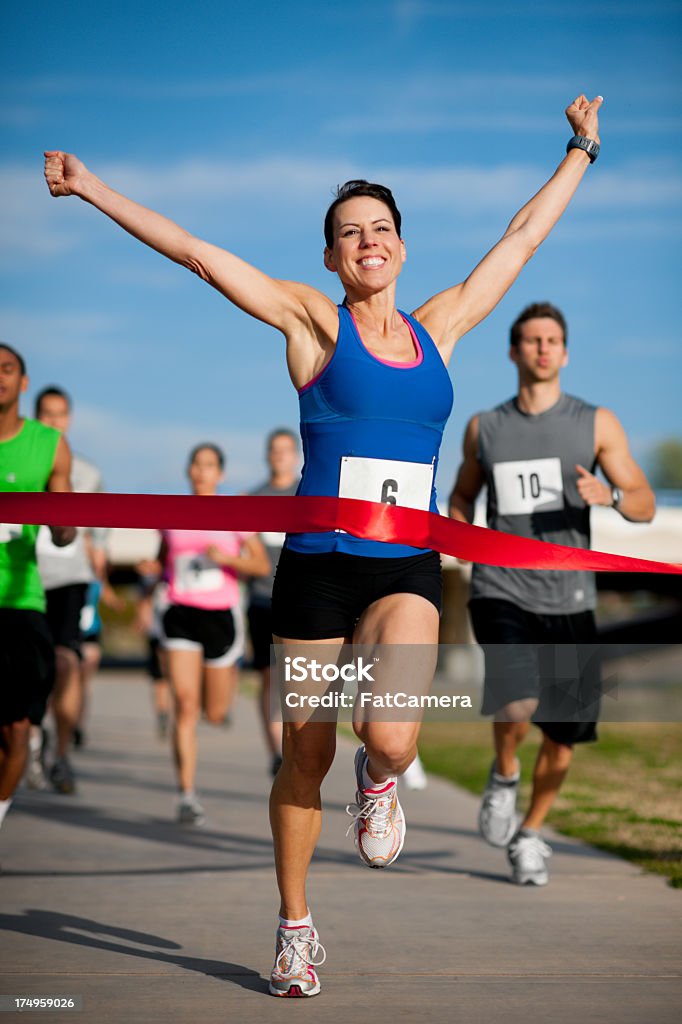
530 485
387 481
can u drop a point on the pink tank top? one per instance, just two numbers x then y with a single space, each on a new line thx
196 580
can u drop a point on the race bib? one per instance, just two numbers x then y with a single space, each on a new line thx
196 574
387 481
530 485
10 531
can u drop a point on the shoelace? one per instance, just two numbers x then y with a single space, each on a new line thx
301 950
380 816
535 850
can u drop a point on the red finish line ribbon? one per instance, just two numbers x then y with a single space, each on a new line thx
366 519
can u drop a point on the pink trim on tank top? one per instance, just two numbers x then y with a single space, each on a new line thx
386 362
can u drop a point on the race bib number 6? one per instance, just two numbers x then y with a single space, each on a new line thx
387 481
529 485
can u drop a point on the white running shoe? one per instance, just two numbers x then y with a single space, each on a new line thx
378 818
190 811
527 853
414 776
497 820
35 777
294 973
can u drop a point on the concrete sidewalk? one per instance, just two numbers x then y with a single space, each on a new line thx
102 895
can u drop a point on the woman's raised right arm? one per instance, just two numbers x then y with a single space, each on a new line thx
278 303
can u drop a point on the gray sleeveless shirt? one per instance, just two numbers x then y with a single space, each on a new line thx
529 465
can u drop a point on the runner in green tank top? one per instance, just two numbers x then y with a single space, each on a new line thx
32 458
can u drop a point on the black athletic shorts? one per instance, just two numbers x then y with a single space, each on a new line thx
153 661
260 631
64 606
217 633
551 658
26 665
317 597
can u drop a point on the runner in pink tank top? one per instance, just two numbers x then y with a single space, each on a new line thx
202 628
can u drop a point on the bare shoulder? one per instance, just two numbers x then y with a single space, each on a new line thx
607 427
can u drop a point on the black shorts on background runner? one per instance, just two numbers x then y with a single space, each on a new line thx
64 606
26 665
211 630
551 658
260 631
322 596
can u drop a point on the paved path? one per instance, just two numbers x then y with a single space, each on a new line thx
103 896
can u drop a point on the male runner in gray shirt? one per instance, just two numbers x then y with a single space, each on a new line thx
536 454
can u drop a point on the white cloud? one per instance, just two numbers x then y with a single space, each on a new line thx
76 334
34 225
150 456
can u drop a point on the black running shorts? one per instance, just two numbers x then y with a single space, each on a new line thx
322 596
64 606
551 658
217 633
260 631
26 665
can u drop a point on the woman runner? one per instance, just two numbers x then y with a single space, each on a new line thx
373 389
203 632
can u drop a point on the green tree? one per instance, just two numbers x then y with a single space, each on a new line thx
666 464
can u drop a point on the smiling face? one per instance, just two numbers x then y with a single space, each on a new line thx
367 253
12 380
541 350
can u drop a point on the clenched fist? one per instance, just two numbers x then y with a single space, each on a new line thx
592 490
583 116
63 172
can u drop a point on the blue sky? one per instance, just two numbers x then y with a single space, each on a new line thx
238 120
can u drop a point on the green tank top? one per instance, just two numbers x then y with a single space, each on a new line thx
26 463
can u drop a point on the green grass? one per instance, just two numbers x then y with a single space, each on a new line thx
622 793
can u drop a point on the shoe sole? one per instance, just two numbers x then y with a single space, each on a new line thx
531 881
294 992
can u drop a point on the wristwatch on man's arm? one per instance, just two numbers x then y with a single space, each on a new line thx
616 498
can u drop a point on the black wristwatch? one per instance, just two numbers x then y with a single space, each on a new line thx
588 145
616 498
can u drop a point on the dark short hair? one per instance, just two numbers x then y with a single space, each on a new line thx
20 359
352 189
537 309
281 432
51 390
218 452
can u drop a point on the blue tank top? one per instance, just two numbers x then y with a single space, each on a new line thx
372 429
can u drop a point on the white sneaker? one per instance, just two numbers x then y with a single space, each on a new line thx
190 811
294 973
414 776
497 819
378 818
527 854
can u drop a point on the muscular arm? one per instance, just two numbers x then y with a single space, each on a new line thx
620 469
305 316
470 477
450 314
60 480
